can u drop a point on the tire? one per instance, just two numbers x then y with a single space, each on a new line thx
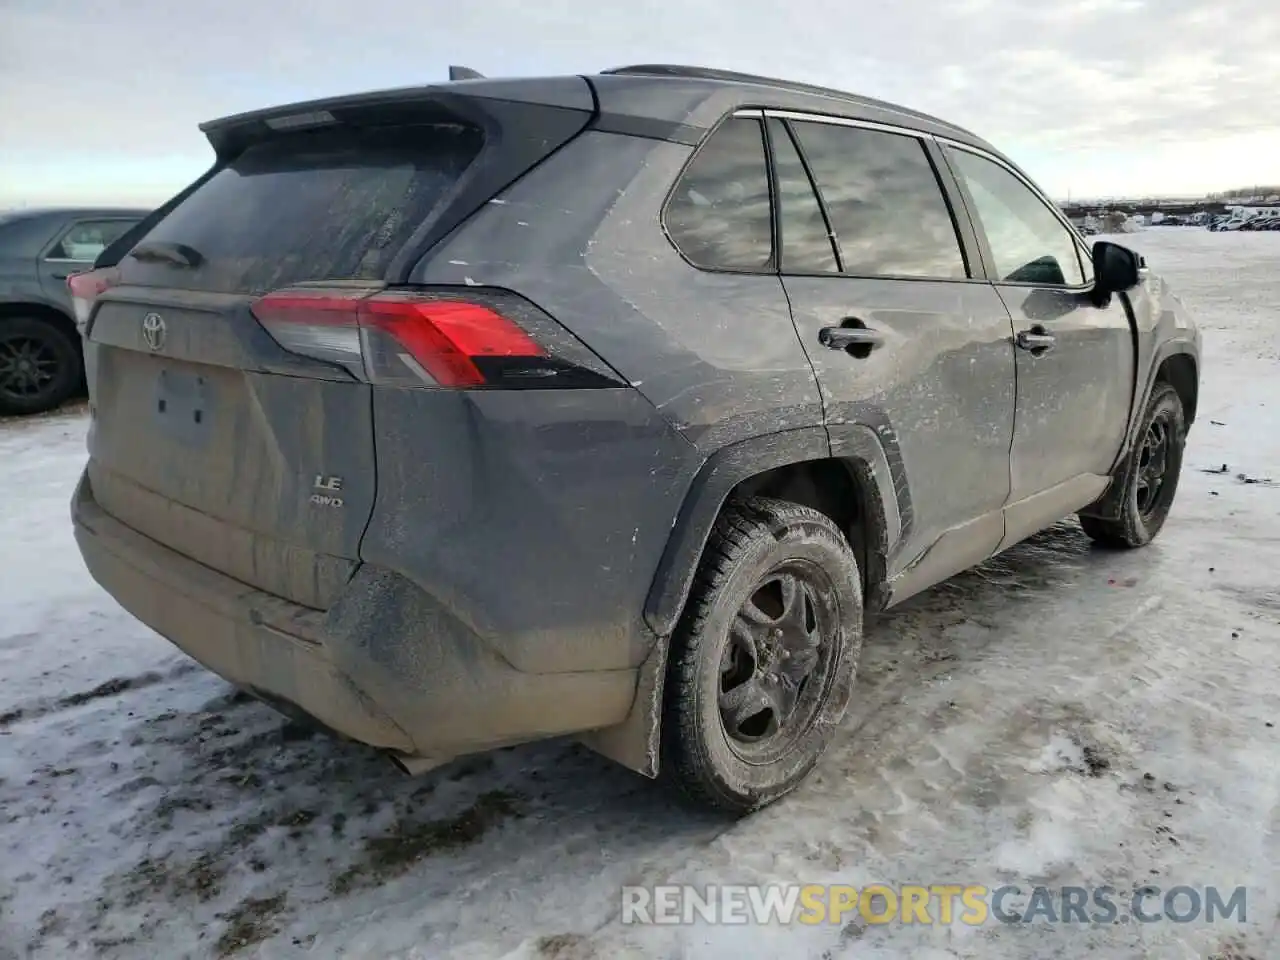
715 750
40 367
1143 513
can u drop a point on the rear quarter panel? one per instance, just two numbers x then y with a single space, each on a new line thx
716 353
570 500
534 518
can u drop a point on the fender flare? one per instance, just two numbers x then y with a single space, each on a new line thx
1165 350
858 444
635 742
1107 507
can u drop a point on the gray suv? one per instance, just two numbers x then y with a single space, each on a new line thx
40 363
476 413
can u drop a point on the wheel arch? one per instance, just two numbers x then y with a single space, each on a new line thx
1177 363
845 473
813 466
1180 370
12 309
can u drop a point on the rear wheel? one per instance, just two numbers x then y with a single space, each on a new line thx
1149 475
40 366
762 664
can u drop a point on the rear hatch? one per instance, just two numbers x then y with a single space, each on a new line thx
207 435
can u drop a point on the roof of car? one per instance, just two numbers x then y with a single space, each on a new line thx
34 213
689 97
751 79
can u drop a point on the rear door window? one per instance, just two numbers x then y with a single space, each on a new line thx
886 206
806 242
88 238
719 213
317 206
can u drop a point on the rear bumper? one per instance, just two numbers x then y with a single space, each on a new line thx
386 665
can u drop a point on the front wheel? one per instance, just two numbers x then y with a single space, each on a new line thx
1149 475
762 664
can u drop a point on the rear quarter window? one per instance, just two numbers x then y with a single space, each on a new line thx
719 214
316 206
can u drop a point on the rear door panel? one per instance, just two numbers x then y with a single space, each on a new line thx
939 390
939 385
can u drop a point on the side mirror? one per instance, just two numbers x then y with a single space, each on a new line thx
1115 268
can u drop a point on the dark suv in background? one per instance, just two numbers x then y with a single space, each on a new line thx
40 360
469 414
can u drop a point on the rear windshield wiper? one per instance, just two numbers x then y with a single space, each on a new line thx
178 254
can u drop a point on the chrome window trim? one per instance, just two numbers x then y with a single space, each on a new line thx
803 116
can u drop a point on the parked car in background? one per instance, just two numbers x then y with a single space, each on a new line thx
40 353
476 413
1233 224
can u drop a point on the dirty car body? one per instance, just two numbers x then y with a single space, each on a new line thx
416 414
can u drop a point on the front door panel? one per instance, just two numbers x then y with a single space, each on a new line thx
1075 358
1074 396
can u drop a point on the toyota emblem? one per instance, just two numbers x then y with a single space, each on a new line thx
153 330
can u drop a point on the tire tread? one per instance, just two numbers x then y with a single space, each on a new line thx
738 526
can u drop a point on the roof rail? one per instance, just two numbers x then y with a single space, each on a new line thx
733 76
464 73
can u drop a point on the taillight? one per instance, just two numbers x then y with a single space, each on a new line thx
86 288
429 338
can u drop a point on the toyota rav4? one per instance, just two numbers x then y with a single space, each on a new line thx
493 410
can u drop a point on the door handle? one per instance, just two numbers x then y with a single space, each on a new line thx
60 276
1035 341
843 338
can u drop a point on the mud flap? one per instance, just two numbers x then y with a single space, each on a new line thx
634 742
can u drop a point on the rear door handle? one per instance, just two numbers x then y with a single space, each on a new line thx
1035 341
842 338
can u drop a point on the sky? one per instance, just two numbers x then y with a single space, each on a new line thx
99 103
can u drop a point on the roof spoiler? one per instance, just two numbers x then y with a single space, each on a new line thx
464 73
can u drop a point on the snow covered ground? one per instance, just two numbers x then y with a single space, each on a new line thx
1061 715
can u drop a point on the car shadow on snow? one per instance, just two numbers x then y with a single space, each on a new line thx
234 821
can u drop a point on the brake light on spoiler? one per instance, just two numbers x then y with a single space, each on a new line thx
437 337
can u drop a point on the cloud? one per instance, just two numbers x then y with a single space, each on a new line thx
1072 81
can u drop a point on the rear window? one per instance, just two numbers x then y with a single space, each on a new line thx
317 206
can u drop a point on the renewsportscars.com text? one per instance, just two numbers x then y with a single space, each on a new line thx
970 904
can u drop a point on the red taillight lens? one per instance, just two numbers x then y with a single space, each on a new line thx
412 338
86 288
